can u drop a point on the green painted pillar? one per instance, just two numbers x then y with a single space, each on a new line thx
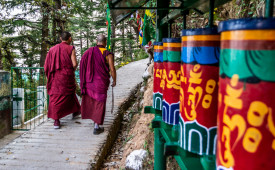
159 158
211 13
161 32
269 8
184 20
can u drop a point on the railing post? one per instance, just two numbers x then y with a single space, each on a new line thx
18 115
11 102
42 102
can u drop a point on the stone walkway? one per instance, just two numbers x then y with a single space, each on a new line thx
73 146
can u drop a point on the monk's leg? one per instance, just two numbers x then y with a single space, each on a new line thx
99 119
62 105
93 109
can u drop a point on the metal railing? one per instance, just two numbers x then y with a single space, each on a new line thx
29 99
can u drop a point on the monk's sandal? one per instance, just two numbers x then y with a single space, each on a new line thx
76 115
56 124
99 130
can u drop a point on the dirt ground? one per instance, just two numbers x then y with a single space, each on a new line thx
136 132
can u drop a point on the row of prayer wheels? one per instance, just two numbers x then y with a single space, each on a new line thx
218 86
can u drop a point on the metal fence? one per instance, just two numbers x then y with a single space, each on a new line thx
29 97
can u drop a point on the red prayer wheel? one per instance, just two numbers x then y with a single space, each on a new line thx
246 113
158 68
171 79
200 50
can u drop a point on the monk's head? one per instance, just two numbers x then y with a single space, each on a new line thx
66 37
101 40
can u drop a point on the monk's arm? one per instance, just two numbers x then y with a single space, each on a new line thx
112 68
73 57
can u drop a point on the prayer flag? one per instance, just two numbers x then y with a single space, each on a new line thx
140 31
146 28
108 28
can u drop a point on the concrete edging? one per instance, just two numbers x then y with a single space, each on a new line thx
114 129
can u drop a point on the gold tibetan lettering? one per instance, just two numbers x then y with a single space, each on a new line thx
256 113
226 158
231 99
252 139
159 73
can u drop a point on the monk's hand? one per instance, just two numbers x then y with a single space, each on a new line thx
113 84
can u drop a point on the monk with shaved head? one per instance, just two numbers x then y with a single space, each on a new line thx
96 65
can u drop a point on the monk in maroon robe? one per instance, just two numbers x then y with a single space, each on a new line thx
59 67
95 67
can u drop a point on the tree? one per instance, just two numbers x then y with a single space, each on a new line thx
45 31
27 35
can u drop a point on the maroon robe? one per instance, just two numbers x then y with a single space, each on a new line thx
61 81
94 83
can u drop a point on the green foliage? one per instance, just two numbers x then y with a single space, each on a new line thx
20 38
26 36
232 10
23 30
240 9
140 54
30 100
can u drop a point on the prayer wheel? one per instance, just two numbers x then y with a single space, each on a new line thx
200 52
246 109
158 67
171 80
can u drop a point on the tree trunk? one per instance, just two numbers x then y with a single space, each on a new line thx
1 66
57 21
130 43
134 25
81 44
55 39
123 41
130 50
45 33
87 39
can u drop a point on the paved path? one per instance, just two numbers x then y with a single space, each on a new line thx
73 146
